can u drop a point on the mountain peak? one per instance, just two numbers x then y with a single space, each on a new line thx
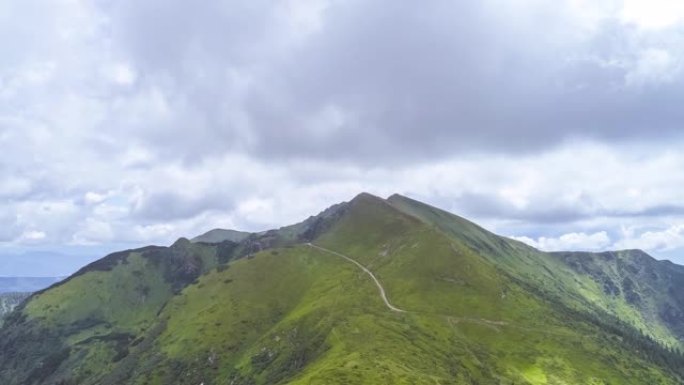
396 196
364 196
181 242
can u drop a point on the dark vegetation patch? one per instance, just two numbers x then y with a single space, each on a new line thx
672 316
131 362
179 264
30 352
225 251
83 324
631 294
322 223
48 365
120 342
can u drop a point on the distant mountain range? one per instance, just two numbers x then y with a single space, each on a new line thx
371 291
26 284
13 290
40 263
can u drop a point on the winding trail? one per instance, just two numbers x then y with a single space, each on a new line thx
383 295
450 318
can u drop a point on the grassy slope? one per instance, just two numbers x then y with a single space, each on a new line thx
83 326
570 283
84 329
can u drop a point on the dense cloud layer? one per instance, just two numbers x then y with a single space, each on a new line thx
372 81
136 122
364 81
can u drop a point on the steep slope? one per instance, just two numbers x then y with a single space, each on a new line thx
79 329
632 278
85 324
312 304
578 280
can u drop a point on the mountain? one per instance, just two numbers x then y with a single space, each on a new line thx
26 284
579 279
638 287
372 291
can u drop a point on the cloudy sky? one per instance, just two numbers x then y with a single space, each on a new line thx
125 123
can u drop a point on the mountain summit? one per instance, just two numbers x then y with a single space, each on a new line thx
370 291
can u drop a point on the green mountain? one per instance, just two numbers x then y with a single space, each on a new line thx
371 291
638 287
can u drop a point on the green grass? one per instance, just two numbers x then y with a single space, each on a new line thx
306 317
553 275
128 296
330 318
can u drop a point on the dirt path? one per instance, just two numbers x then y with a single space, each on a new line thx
383 295
451 319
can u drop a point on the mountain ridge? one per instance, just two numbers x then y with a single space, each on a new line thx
220 235
270 309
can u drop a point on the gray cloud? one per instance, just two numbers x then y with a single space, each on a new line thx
161 206
8 230
139 122
377 82
485 205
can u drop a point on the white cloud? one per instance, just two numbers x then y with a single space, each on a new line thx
564 191
658 240
116 126
121 74
31 236
570 242
94 198
93 231
653 14
304 16
13 186
653 66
